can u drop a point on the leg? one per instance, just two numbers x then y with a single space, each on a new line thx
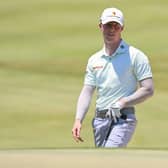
121 133
100 130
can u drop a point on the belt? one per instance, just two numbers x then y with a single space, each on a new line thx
124 112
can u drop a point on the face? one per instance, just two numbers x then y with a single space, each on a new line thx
111 31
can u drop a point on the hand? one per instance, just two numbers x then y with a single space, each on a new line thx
115 112
122 102
76 131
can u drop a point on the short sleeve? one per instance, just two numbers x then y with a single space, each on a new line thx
90 78
142 68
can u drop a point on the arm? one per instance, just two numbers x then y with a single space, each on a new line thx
82 108
145 90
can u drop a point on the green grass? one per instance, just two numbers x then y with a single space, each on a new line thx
44 47
37 111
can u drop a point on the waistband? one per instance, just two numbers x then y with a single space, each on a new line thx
124 112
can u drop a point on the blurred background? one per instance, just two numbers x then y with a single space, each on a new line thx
44 48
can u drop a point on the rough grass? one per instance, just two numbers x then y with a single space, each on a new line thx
37 111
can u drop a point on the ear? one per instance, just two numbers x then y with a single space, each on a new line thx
100 25
122 28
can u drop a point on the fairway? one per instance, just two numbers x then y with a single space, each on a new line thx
97 158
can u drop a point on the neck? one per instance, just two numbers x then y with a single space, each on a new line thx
110 47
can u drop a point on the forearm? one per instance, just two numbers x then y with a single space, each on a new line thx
139 96
84 101
146 90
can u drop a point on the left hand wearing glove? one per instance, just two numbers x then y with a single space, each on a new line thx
114 112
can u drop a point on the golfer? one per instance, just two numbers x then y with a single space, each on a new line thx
121 75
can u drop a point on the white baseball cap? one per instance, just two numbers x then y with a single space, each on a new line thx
112 14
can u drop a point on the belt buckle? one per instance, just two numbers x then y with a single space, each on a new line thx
108 114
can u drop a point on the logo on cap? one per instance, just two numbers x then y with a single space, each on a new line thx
113 13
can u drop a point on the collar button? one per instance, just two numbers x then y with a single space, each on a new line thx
122 46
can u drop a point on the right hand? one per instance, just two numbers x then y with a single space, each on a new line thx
76 131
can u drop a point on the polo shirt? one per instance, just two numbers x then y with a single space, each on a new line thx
116 76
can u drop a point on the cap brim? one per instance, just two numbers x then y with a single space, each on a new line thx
111 20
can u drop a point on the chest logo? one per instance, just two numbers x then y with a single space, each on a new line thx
98 67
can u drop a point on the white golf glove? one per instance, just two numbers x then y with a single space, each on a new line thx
114 112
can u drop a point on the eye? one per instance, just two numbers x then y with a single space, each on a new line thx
114 24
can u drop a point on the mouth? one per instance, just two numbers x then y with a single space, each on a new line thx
111 34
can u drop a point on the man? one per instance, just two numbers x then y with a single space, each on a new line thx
122 76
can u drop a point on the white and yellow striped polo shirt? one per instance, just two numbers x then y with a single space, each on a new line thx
116 76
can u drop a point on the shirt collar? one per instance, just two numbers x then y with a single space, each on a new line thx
121 49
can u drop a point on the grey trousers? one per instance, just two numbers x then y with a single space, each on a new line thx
118 136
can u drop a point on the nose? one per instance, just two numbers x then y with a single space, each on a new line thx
112 28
